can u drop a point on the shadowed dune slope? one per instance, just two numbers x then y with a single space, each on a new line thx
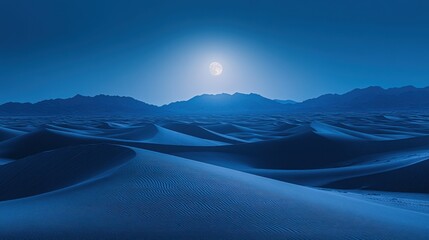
157 196
39 141
6 133
200 132
407 179
60 168
135 133
49 139
403 171
303 149
306 150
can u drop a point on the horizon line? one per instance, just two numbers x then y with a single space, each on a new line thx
210 94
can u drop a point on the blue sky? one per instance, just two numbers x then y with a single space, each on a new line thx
159 51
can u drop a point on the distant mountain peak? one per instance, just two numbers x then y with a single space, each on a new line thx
285 101
78 96
373 88
224 102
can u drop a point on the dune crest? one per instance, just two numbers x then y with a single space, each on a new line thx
224 177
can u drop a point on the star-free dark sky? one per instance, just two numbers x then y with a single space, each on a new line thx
159 51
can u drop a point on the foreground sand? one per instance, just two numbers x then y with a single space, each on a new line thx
92 179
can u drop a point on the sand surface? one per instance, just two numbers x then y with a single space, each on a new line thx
338 176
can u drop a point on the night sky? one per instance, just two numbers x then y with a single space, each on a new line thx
159 51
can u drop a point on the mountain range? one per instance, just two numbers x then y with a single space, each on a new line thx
371 98
80 105
366 99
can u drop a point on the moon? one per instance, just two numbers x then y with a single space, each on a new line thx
215 68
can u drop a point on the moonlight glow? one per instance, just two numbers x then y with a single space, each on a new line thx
215 68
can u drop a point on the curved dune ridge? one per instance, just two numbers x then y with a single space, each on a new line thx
215 177
169 137
6 133
39 141
412 178
152 133
133 133
334 132
406 170
4 161
160 196
201 132
309 150
225 128
53 170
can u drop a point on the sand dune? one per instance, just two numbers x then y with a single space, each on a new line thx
160 196
38 141
201 132
412 178
6 133
53 170
309 150
358 177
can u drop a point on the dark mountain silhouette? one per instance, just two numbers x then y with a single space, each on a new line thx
225 103
367 99
285 101
371 98
80 105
